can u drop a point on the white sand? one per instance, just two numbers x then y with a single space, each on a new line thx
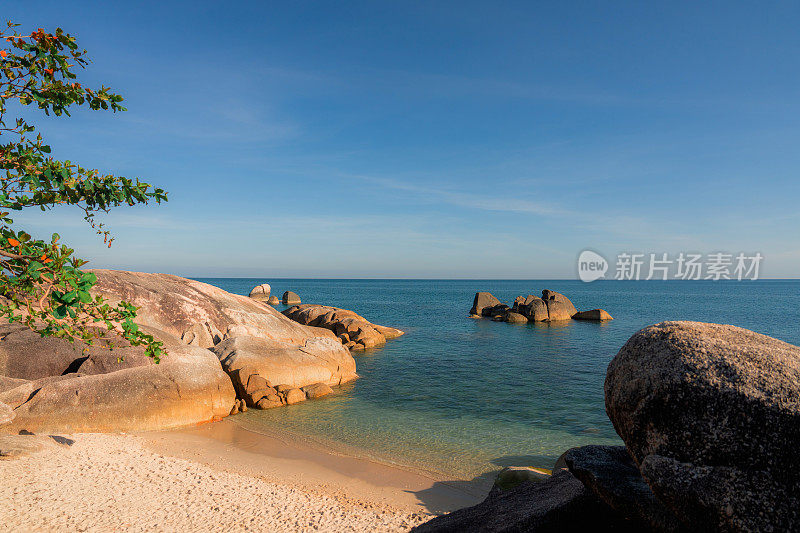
114 483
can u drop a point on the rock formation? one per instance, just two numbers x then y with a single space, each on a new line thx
290 298
551 307
561 503
263 368
482 301
595 314
261 292
711 415
273 300
52 385
352 329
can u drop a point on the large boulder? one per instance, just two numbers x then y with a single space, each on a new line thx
711 415
559 307
290 298
261 292
317 360
561 503
188 387
532 307
481 301
353 330
597 315
515 318
176 305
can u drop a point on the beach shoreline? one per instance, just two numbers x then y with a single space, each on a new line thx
215 476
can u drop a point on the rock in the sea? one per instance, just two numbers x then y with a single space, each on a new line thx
318 360
610 473
273 300
561 503
711 414
6 414
483 300
532 307
515 318
347 325
495 311
317 390
594 314
511 476
559 307
293 396
261 292
290 298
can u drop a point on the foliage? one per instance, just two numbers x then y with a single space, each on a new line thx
41 281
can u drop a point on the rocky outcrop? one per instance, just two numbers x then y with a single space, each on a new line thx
353 330
711 415
559 307
531 307
176 305
273 300
267 369
261 292
561 503
595 314
290 298
551 307
482 301
52 385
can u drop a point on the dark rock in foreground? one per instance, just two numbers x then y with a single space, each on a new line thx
610 473
560 504
711 414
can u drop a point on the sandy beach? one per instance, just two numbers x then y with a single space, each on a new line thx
212 478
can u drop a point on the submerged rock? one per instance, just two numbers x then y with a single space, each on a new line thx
261 292
290 298
711 414
511 476
594 314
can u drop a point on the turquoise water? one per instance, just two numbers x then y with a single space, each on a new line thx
462 397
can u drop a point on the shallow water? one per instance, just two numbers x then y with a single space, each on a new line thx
462 397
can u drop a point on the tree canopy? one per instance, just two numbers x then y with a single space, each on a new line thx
41 282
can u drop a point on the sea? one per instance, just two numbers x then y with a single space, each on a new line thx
461 397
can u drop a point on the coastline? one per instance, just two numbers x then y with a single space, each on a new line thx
315 467
215 476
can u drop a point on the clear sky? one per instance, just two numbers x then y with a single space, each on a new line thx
435 139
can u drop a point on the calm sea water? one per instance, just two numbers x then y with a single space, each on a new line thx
462 397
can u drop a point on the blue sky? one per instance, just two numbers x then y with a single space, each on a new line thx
435 139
